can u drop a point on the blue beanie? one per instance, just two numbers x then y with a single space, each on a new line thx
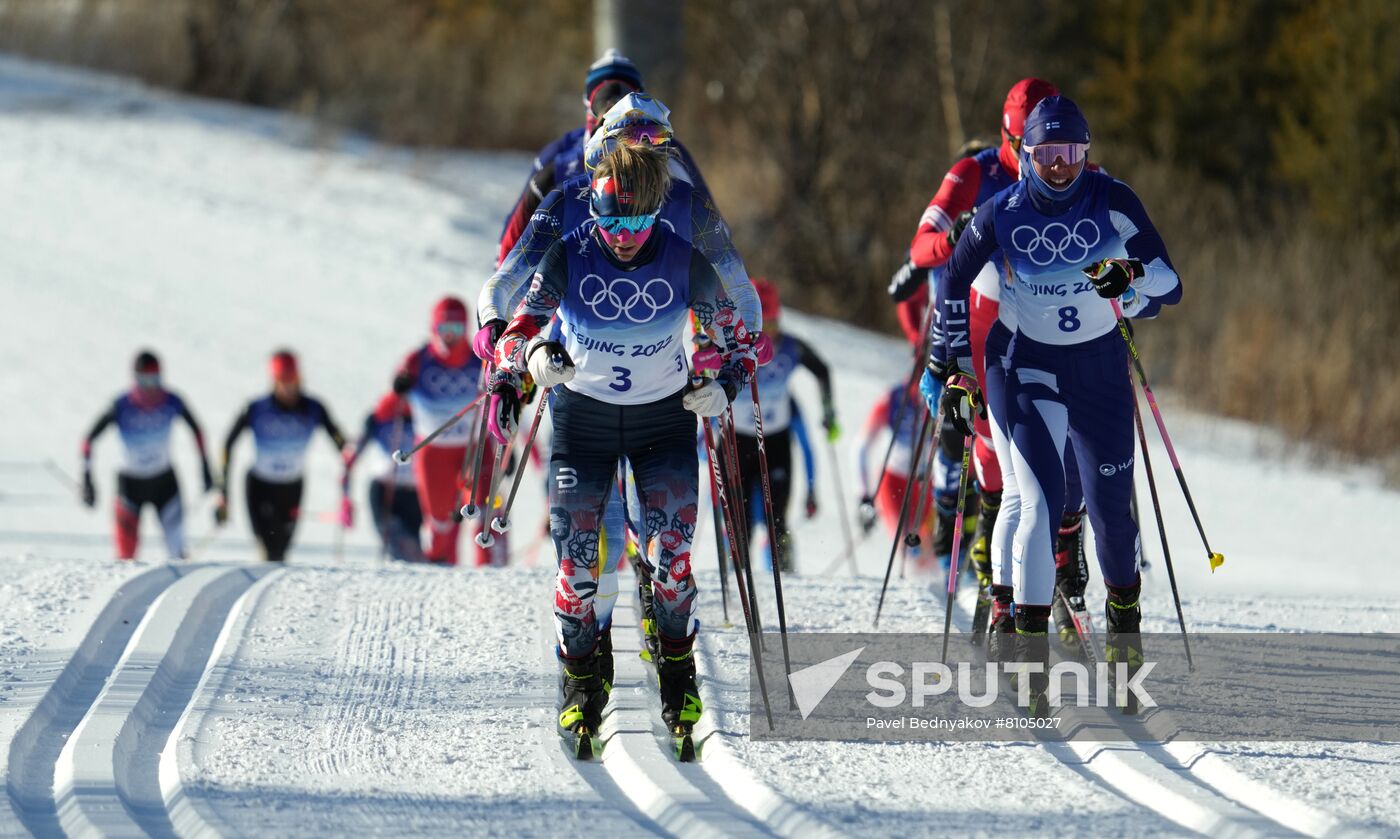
612 66
1055 119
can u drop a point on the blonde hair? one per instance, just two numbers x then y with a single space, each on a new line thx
641 169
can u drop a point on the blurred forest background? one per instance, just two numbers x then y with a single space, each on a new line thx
1262 135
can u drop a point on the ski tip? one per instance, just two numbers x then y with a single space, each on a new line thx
1216 560
685 747
585 744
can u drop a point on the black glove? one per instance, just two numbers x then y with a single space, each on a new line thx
89 491
403 383
959 225
907 281
1112 276
867 514
208 476
961 399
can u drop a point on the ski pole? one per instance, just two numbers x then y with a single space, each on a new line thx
779 549
729 441
501 522
955 562
750 614
718 515
1161 529
841 508
1215 559
470 509
390 484
903 517
402 457
919 359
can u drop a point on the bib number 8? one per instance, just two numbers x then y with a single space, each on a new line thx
1069 319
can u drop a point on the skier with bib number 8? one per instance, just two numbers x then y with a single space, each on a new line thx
1073 241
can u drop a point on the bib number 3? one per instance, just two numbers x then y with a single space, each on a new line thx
1069 319
624 380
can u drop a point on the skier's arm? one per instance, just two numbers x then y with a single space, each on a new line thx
956 195
189 419
540 182
807 357
108 417
950 313
718 316
503 291
331 428
367 432
546 292
874 421
710 236
799 430
238 426
1160 285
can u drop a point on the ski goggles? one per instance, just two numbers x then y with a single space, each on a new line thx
449 330
1014 140
632 224
1047 153
148 381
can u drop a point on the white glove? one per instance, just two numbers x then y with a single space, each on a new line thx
540 358
707 400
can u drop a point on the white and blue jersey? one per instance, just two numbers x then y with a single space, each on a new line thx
623 328
281 435
439 391
145 432
774 379
1053 302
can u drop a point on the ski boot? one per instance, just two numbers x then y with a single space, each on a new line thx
1001 635
943 531
604 653
1124 641
582 697
680 697
650 638
1069 581
1033 646
981 556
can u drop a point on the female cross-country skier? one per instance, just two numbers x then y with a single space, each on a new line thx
966 186
144 416
774 379
438 379
1072 240
623 287
393 494
282 424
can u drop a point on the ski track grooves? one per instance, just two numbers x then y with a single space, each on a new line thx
644 779
1184 782
85 762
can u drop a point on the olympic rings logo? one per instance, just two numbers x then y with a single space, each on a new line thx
623 297
1057 241
441 382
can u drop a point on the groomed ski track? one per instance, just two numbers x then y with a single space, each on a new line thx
1184 782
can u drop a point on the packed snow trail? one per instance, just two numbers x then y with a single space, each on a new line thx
343 696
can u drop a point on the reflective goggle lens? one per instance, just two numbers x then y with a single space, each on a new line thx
1013 140
632 224
148 380
451 329
1047 153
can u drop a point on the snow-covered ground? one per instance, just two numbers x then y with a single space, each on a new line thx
348 696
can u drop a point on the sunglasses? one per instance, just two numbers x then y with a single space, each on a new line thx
148 380
1012 139
1047 153
452 329
631 224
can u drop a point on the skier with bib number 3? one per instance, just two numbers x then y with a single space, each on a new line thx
619 387
1073 241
